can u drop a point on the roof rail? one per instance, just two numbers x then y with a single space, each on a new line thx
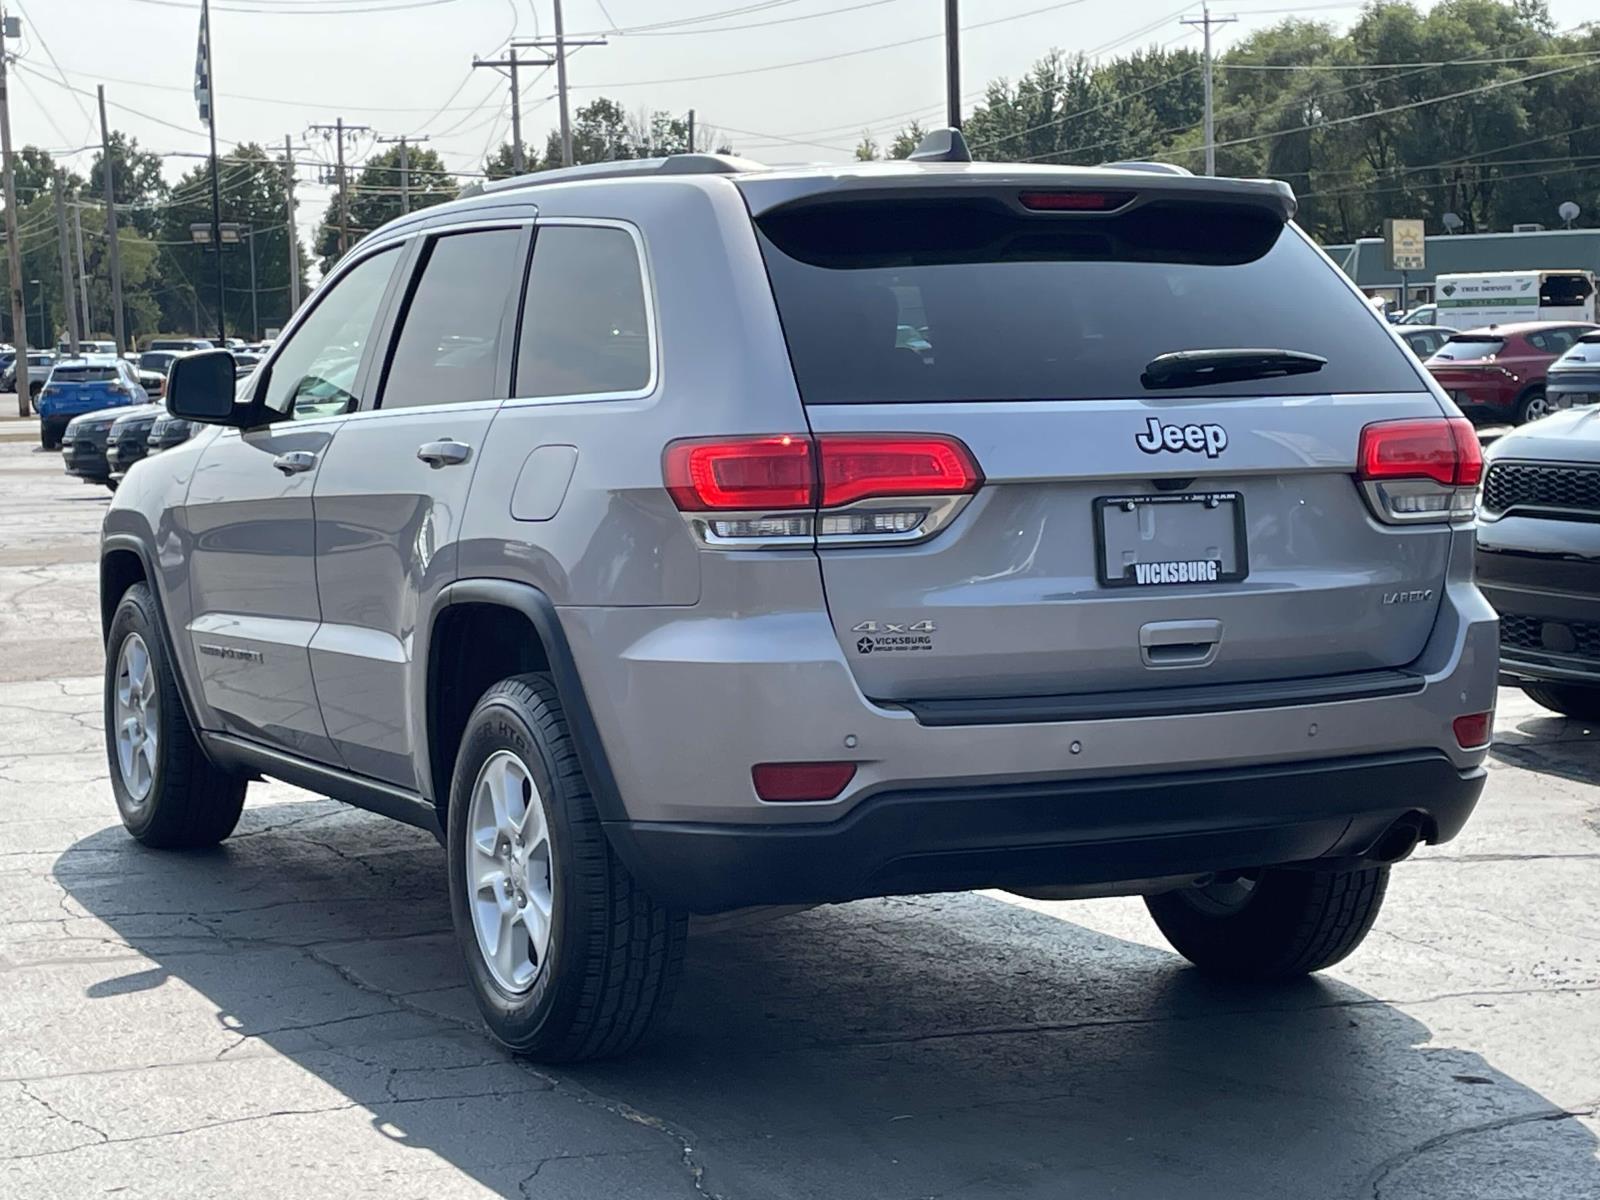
1155 168
671 164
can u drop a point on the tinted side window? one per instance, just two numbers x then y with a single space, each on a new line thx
314 374
450 335
584 324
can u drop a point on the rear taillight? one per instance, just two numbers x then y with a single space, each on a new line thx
742 473
849 488
1422 469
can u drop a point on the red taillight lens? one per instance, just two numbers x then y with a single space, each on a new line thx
1074 201
1443 449
857 467
766 473
801 781
1473 730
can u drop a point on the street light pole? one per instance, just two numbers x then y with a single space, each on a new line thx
255 316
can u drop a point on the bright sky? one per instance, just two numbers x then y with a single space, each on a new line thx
785 80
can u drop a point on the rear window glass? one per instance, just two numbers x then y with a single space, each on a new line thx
929 301
1466 350
83 374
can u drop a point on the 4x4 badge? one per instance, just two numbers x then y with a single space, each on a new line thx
1213 439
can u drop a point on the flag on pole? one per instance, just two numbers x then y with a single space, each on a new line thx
202 65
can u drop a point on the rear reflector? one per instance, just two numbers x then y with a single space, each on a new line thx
1443 449
801 781
747 474
1473 730
1075 201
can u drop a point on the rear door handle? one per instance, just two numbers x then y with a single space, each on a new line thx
446 452
295 461
1179 643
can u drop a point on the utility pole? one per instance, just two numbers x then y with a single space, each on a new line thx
83 273
561 42
952 65
111 227
339 129
691 131
405 167
19 313
1206 21
509 65
294 236
66 267
210 106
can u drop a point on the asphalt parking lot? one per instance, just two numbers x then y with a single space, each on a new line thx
284 1016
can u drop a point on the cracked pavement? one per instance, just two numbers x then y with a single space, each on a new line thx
284 1016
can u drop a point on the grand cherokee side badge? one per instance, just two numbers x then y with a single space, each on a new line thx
1213 439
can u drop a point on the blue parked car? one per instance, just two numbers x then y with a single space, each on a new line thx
84 385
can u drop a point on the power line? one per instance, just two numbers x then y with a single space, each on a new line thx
806 62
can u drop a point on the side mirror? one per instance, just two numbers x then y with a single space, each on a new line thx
200 387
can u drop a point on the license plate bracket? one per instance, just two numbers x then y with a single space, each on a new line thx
1166 540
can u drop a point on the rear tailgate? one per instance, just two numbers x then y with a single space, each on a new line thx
1127 535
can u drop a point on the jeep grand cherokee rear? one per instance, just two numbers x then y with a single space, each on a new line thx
1148 573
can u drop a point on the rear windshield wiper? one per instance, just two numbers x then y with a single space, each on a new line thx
1190 368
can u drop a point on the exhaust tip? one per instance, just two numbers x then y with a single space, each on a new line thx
1398 841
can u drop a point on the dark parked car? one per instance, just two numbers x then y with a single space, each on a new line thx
1498 373
1424 340
127 438
1574 378
1538 558
83 446
168 431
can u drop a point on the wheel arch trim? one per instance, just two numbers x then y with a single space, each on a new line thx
540 612
120 542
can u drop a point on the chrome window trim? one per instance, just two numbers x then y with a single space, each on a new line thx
646 282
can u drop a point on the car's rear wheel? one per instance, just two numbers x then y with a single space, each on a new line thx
1272 924
567 956
49 439
1532 405
168 792
1569 699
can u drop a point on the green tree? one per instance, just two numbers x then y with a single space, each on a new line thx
137 182
251 184
374 193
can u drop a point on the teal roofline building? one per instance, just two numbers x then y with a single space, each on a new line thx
1465 253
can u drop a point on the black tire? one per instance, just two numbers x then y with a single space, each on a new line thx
614 953
190 802
1525 402
34 389
1569 699
1292 922
49 440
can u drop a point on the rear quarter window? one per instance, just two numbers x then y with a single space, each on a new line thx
1460 350
1007 307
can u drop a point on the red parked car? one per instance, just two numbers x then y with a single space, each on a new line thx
1498 373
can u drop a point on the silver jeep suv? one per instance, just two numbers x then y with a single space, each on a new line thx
611 525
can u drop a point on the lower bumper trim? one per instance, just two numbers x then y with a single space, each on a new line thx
1055 833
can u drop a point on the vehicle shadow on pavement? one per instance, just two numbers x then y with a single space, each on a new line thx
1551 744
899 1048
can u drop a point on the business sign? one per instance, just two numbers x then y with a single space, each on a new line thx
1405 244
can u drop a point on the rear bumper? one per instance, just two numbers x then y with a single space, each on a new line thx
1060 833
